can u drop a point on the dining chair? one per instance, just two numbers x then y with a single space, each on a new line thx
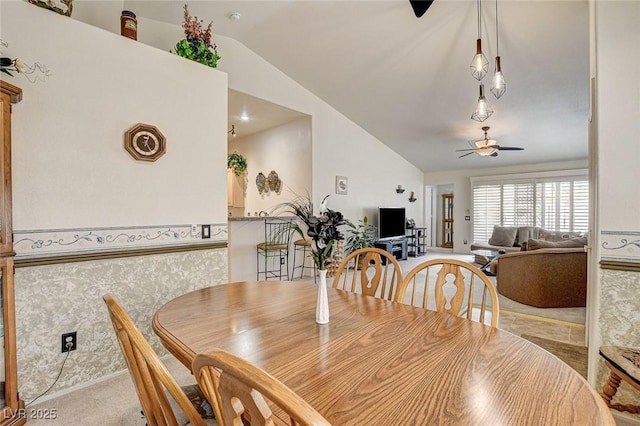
369 271
623 364
273 252
452 290
150 376
241 390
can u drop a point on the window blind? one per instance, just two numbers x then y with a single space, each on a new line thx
557 202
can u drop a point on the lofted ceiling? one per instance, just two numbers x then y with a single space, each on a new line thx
406 80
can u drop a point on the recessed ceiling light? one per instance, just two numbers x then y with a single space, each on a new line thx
234 16
244 117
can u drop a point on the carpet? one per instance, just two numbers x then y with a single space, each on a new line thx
574 356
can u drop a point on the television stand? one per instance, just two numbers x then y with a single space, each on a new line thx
395 246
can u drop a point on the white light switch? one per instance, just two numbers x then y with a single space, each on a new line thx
194 230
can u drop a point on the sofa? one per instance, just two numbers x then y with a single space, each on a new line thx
538 267
545 278
548 274
512 238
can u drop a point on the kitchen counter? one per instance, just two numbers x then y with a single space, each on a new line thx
256 218
245 232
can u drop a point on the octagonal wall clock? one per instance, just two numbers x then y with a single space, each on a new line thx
145 142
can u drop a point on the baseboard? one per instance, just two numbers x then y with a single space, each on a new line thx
546 319
87 384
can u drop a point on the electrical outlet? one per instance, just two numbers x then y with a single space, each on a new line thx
194 230
69 342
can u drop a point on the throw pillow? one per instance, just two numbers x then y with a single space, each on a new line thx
556 235
503 236
575 242
525 233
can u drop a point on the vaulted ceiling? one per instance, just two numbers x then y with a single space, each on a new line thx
406 80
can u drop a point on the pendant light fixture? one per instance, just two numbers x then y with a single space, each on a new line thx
498 85
483 109
479 64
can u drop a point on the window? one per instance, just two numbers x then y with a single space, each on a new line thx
557 201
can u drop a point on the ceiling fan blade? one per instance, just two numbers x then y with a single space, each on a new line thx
464 155
472 149
509 148
495 154
420 6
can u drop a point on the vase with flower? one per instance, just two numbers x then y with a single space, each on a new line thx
324 231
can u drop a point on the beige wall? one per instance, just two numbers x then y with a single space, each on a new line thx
339 146
616 60
285 149
72 176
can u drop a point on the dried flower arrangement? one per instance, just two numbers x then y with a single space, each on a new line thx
197 44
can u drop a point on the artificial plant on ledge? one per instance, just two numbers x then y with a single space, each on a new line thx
197 44
237 163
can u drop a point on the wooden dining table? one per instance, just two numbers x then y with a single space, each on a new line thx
378 362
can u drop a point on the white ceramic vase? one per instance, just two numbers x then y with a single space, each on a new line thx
322 300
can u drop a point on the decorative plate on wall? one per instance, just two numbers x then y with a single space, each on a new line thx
145 142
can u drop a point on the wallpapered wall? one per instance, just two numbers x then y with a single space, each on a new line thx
69 296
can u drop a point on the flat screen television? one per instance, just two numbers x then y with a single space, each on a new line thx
391 222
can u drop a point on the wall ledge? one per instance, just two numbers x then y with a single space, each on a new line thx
83 257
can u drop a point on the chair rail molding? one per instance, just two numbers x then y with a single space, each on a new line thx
620 250
30 244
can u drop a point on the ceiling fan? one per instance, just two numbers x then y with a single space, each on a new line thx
487 147
420 6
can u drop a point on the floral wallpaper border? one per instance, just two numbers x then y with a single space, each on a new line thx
622 246
54 242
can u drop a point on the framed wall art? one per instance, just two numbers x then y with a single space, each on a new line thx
342 185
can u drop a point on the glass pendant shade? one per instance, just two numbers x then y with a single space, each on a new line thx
483 109
498 85
479 64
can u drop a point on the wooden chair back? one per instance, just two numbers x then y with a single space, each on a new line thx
150 376
239 389
452 289
369 271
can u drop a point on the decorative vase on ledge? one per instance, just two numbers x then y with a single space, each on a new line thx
322 301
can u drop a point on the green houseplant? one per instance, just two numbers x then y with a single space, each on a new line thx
197 44
360 235
237 163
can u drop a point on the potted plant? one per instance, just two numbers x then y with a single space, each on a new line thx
360 236
237 163
197 44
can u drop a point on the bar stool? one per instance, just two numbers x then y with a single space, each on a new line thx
302 245
273 252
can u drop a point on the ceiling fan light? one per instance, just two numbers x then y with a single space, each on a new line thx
479 63
485 143
483 109
498 85
486 152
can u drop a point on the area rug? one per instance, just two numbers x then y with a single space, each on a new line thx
574 356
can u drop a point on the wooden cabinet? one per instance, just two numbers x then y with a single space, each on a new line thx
235 189
11 406
447 220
